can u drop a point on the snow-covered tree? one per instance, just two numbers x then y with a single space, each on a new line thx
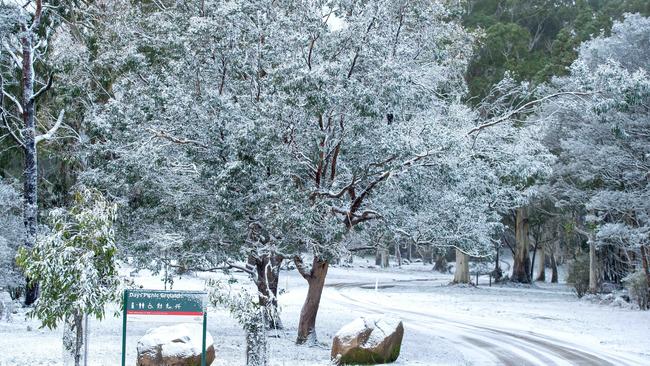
264 128
19 91
602 141
75 266
250 314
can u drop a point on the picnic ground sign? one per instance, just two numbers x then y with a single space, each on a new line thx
164 306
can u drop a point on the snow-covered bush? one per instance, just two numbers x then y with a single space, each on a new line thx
637 284
11 237
578 276
74 266
251 316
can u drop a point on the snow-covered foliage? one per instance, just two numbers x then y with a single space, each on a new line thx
601 138
251 316
75 263
228 117
637 285
11 236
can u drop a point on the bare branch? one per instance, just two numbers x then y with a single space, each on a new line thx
38 12
3 115
302 268
14 100
176 140
50 134
329 194
523 108
13 55
44 89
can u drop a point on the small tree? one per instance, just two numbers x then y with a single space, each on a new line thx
75 267
637 284
251 315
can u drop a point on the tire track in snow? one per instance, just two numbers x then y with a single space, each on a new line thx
503 347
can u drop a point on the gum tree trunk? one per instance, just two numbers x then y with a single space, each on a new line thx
554 274
644 262
30 204
521 267
462 268
316 281
267 268
398 255
541 268
593 268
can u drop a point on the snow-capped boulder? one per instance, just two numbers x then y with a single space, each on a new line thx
371 339
176 345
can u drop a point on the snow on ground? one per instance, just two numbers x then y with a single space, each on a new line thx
444 325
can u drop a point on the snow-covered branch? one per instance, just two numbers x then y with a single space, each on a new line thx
525 108
52 131
181 141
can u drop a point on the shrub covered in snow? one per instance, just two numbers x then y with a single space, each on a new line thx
11 237
578 276
244 307
637 284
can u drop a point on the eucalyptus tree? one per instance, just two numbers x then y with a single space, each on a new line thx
602 167
356 77
75 265
189 154
26 47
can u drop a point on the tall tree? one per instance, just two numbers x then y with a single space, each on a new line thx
25 48
601 173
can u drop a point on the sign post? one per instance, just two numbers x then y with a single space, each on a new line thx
165 306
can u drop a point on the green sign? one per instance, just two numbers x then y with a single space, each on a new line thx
164 306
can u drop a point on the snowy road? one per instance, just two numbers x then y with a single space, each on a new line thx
482 342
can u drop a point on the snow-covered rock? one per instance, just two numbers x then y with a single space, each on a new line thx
371 339
176 345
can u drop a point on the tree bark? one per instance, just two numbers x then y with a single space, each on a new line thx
644 262
554 274
384 258
316 281
73 340
541 267
409 252
267 268
462 267
398 255
521 267
441 264
593 268
30 203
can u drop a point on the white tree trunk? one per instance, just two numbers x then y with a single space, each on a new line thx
593 268
462 267
384 258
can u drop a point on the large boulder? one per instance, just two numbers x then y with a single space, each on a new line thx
176 345
368 340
